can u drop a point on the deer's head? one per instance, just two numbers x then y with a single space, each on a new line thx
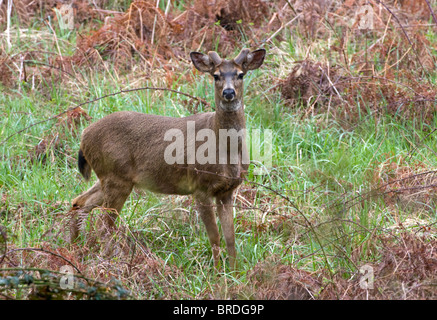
228 74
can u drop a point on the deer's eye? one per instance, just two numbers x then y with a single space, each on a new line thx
241 76
216 77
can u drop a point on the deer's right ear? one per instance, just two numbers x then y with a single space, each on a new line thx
202 62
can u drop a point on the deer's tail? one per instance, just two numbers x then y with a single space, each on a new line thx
84 167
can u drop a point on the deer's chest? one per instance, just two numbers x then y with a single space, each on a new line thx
224 180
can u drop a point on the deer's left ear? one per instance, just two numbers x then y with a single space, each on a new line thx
250 60
202 62
205 63
254 59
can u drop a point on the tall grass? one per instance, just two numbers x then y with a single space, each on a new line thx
314 210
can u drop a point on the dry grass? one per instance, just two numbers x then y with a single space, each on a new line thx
372 78
390 71
406 184
112 260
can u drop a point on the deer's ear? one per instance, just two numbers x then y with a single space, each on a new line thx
254 59
202 62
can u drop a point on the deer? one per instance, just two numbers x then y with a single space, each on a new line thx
126 150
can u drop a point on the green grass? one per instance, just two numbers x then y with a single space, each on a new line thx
308 154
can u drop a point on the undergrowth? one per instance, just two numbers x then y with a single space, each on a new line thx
352 182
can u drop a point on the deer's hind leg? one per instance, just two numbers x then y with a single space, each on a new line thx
84 203
115 192
108 192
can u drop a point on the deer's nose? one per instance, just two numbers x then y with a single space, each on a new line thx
229 94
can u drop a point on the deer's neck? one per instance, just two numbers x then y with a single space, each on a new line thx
226 119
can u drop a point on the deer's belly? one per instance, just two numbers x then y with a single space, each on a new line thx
184 181
167 185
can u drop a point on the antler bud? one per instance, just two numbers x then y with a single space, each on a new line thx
215 58
241 57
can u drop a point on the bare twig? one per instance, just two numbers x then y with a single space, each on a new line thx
286 198
282 27
8 24
3 244
200 100
420 142
408 38
46 251
30 62
432 12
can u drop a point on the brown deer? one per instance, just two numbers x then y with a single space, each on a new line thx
130 149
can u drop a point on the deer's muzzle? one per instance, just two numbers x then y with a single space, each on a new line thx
229 94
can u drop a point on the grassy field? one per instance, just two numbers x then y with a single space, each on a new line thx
353 181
